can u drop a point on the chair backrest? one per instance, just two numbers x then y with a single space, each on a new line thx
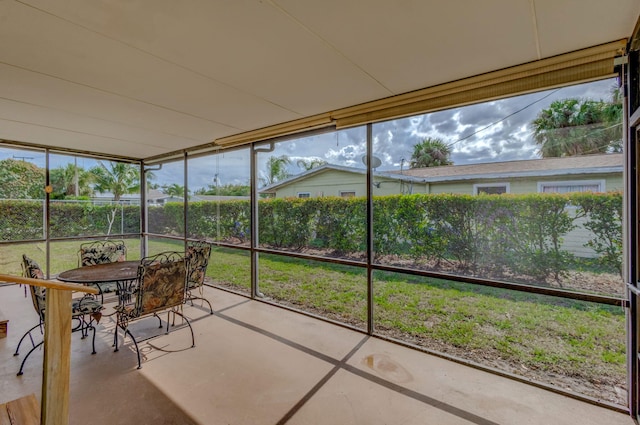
31 269
162 281
198 254
101 252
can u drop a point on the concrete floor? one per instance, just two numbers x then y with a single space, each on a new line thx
257 364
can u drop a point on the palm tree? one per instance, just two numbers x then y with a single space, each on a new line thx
118 178
71 180
276 170
576 127
431 152
175 190
310 164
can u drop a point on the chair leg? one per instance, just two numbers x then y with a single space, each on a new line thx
137 349
115 338
28 333
93 341
193 297
100 293
126 332
27 356
193 339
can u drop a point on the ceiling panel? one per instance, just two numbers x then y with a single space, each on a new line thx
46 117
53 137
569 25
96 61
249 45
32 88
412 44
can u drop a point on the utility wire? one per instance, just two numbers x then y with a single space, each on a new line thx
504 118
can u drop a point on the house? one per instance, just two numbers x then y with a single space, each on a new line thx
338 180
593 173
217 198
156 197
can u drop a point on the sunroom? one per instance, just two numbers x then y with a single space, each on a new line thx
371 292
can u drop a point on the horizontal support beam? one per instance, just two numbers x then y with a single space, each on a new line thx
49 284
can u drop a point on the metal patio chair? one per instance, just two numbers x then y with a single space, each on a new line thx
161 286
199 253
102 252
80 309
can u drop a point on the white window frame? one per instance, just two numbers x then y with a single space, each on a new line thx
477 186
342 192
304 195
600 183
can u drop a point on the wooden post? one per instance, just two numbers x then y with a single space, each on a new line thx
57 358
57 346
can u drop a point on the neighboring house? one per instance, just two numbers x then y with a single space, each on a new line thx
217 198
337 180
107 198
156 197
588 173
595 173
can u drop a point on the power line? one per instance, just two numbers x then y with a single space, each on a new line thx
504 118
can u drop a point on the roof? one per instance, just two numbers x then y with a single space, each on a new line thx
140 79
585 164
331 167
547 167
218 198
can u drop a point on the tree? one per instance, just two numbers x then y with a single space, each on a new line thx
431 152
226 190
71 180
577 127
21 180
174 190
276 170
310 164
119 178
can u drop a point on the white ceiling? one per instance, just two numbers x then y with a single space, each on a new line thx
139 78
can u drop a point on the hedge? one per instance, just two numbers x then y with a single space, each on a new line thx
24 220
484 235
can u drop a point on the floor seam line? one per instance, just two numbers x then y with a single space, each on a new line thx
321 382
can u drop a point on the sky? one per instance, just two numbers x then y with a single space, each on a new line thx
487 132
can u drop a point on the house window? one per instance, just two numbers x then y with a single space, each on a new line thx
571 186
491 188
347 193
304 195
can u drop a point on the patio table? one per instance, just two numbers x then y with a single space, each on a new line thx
122 273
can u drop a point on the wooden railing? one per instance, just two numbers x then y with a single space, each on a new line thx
54 407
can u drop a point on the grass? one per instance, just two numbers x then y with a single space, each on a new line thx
64 254
512 330
508 329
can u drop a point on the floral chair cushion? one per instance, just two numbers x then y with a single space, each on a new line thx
87 305
31 268
161 286
198 255
102 252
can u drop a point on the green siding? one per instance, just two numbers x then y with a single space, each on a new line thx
331 183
